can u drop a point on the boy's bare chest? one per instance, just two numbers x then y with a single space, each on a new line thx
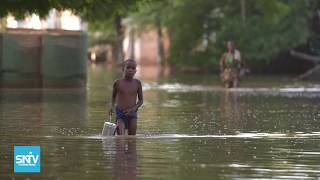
128 88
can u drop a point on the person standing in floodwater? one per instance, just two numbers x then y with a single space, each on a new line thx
126 91
230 64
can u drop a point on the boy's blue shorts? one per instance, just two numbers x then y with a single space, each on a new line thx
121 115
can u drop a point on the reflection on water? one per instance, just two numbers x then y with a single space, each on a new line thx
124 153
189 128
151 72
39 112
231 111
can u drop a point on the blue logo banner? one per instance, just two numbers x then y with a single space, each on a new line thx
27 159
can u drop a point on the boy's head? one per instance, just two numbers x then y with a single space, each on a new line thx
129 68
230 45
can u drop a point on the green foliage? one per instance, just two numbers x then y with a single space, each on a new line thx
98 13
186 30
91 10
150 15
20 8
101 32
264 35
261 29
269 27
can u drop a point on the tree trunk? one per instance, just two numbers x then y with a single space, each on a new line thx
160 58
131 47
3 24
57 19
308 74
243 11
304 56
311 73
119 39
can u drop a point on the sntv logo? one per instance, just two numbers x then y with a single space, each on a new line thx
27 159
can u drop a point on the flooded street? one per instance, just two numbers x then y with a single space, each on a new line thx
188 128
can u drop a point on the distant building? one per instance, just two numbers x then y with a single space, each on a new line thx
143 47
49 52
65 20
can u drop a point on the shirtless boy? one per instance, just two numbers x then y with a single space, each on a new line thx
127 97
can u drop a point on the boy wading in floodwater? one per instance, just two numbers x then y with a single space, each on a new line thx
126 92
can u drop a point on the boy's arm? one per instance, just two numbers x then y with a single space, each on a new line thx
114 95
140 96
140 100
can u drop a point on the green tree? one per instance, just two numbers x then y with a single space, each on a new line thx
95 12
102 13
187 27
261 29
